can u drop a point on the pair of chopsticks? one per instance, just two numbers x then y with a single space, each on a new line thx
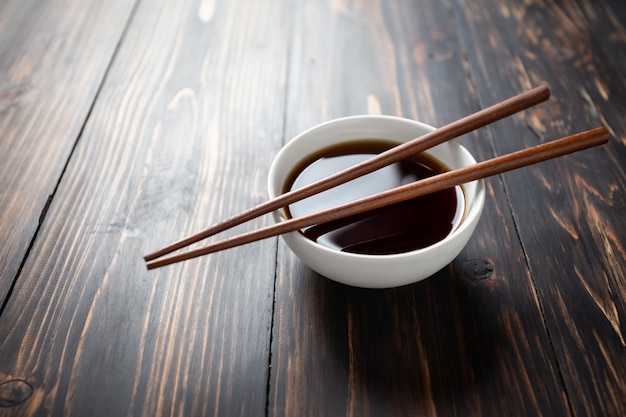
428 185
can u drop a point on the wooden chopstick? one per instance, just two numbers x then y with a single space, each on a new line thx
428 185
457 128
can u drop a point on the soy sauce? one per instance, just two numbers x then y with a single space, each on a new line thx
401 227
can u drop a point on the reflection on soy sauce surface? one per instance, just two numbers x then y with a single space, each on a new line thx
401 227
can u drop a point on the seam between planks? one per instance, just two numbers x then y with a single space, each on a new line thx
288 66
44 211
472 79
532 278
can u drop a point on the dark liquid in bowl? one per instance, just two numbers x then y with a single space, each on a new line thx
401 227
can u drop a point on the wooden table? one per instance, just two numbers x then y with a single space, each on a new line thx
126 125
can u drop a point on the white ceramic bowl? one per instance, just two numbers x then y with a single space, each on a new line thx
375 271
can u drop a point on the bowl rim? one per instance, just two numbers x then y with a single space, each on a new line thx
474 208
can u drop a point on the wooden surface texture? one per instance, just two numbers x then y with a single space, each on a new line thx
125 126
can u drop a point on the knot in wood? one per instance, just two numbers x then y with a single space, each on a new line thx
14 392
477 269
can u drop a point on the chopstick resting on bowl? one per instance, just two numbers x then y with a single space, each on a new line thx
490 167
397 153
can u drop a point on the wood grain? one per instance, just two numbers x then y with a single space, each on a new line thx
453 344
183 131
569 212
47 86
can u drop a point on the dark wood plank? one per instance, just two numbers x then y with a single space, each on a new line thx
468 341
182 134
570 212
617 8
47 85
